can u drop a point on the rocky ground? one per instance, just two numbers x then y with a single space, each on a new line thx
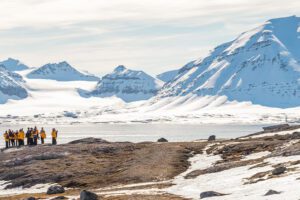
156 170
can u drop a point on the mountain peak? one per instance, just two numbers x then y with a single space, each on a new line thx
287 19
12 64
12 59
129 85
61 71
65 63
120 68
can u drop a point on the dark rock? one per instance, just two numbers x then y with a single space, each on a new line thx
271 192
278 127
279 170
31 198
162 140
59 198
86 195
89 140
296 135
55 189
210 194
212 138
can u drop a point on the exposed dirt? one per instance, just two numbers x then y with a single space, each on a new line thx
96 165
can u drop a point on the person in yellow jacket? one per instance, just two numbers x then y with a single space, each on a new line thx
21 137
54 136
31 136
43 135
6 138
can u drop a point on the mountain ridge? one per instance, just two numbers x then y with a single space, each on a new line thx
129 85
260 65
61 71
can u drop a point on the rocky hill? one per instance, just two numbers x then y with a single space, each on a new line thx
129 85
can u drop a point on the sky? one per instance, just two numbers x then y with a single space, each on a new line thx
150 35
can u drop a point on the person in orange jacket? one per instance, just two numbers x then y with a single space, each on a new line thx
43 135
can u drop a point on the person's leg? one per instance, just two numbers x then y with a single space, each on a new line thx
6 144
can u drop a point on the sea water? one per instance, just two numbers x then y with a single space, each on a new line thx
140 132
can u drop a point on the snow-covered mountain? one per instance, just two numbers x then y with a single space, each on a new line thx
167 76
261 65
62 71
13 65
126 84
11 86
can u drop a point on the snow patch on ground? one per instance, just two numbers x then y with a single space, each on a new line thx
39 188
232 181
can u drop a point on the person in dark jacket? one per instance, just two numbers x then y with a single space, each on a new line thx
28 136
11 137
35 135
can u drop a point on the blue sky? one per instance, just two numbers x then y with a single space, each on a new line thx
151 35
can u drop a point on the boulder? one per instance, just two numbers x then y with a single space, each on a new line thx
271 192
211 138
279 170
296 135
55 189
162 140
208 194
87 195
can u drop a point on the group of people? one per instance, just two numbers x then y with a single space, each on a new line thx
17 138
